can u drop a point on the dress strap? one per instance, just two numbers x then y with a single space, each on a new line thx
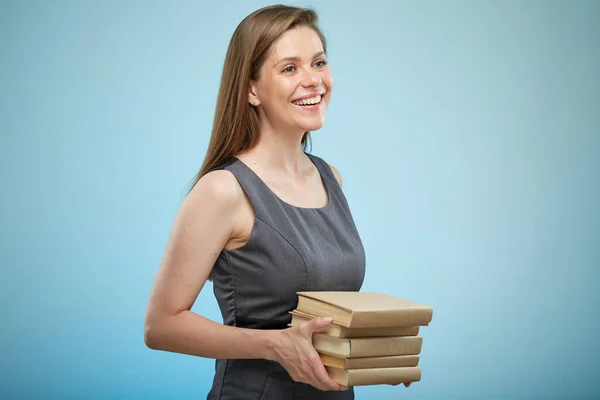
333 187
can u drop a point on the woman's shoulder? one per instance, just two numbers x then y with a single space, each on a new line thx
334 170
337 174
219 189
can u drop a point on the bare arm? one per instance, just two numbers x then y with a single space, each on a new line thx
202 227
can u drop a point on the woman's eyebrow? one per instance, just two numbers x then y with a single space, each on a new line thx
296 58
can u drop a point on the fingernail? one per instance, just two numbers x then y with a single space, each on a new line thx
327 319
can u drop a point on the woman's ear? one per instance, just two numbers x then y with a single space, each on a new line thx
252 96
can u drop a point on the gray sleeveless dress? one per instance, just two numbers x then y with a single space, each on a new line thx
290 249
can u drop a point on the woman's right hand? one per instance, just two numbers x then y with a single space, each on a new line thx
293 349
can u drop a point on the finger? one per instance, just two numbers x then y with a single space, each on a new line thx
314 381
317 323
324 378
315 374
323 384
308 375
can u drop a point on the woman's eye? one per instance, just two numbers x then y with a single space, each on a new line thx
321 64
289 69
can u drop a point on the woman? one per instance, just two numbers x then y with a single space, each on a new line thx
263 220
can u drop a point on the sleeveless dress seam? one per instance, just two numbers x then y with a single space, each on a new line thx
233 288
234 321
223 379
291 245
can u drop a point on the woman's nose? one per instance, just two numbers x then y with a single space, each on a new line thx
311 79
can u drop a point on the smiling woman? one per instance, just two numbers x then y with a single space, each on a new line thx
289 84
264 219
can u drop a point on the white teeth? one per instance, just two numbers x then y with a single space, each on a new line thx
306 102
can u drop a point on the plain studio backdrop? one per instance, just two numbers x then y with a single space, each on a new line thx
467 134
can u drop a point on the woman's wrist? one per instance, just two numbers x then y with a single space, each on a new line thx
271 341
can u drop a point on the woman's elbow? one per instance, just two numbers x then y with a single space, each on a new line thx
151 329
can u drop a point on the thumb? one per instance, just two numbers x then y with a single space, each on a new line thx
320 322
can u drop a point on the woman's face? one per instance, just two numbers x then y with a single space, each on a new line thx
295 83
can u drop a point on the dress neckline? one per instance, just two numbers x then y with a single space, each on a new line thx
285 203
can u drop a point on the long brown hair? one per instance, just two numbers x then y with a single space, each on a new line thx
235 125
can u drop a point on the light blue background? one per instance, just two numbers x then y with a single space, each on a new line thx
467 133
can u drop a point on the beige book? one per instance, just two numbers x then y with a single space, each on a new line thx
367 347
369 362
374 376
343 332
364 309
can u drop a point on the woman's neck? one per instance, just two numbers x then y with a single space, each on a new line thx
277 150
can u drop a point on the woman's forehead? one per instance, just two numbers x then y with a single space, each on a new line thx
300 43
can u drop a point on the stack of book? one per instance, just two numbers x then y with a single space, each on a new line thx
373 338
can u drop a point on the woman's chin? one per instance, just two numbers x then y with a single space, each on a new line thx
313 125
